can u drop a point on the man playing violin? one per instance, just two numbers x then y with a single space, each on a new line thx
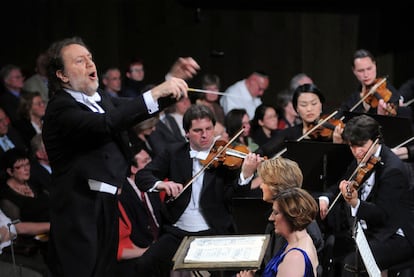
385 99
203 207
380 200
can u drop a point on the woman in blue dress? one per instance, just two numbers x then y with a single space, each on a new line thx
293 210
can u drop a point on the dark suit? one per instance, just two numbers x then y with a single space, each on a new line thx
84 145
165 134
219 184
386 209
16 138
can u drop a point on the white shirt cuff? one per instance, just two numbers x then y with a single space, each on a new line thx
243 182
355 210
152 105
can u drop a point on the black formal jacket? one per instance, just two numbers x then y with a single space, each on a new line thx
219 184
84 145
389 205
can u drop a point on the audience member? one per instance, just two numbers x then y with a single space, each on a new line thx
237 119
293 210
9 136
40 170
264 124
31 112
246 93
211 82
191 211
166 132
139 134
111 79
20 200
84 133
177 111
38 81
140 217
134 79
298 80
288 117
12 79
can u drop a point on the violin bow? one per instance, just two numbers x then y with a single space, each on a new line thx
207 91
221 150
307 133
403 143
360 165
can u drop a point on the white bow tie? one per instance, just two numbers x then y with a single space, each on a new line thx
201 155
94 98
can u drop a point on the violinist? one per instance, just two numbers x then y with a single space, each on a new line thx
307 101
377 200
203 208
384 101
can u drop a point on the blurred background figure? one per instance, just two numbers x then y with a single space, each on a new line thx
38 81
111 79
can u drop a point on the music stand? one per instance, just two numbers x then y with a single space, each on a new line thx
322 163
227 252
395 130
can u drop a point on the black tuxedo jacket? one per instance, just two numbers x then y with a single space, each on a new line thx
84 145
219 184
389 204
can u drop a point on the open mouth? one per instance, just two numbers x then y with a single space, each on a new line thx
93 75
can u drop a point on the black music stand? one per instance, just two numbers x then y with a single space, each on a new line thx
322 163
395 130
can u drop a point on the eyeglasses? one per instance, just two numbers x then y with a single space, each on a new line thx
137 70
20 166
40 103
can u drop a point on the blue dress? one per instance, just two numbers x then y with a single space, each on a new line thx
272 266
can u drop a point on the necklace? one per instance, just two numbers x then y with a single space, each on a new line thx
22 189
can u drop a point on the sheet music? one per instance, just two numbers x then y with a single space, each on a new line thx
366 254
228 249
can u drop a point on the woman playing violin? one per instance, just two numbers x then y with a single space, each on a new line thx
385 100
378 201
307 101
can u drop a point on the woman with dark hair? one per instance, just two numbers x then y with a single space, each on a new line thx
31 112
264 124
235 120
307 101
22 201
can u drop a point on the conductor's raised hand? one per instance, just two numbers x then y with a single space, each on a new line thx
174 87
184 68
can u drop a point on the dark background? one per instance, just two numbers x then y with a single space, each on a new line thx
228 37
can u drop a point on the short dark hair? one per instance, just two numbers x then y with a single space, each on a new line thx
197 112
11 156
362 53
358 130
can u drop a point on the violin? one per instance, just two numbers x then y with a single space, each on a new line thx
326 129
361 172
377 91
232 157
364 171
